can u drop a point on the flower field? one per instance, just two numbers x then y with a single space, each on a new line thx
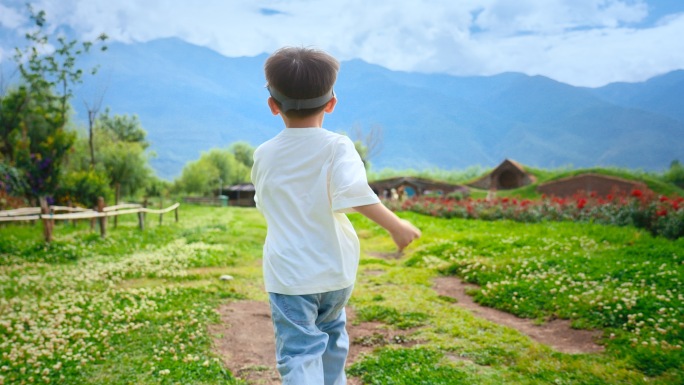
135 308
132 308
661 215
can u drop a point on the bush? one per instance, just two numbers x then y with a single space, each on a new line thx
82 188
12 181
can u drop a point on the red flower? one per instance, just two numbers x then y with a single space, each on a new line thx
581 203
661 213
637 193
663 198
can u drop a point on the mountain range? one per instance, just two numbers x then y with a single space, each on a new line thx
191 99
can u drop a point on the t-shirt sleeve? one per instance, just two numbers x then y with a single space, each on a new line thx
348 184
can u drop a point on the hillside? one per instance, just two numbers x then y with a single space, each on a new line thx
191 99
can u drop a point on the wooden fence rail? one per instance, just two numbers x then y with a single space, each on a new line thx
48 215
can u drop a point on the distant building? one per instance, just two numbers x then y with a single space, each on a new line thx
240 194
506 176
410 186
601 185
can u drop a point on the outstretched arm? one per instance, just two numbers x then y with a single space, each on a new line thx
402 231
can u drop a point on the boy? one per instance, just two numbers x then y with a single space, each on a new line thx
306 178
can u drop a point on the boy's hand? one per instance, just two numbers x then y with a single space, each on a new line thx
405 234
401 230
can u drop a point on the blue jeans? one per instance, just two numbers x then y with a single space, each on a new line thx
311 339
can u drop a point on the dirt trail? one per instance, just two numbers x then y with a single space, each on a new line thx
245 334
557 333
245 341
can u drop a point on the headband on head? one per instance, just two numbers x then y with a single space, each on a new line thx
287 104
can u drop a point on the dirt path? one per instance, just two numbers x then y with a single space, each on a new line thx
245 341
557 333
245 334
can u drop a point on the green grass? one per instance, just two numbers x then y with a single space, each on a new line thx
135 308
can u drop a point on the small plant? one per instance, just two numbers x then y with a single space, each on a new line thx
418 366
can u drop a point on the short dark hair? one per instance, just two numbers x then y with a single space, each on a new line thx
301 73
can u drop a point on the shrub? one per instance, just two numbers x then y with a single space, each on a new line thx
83 188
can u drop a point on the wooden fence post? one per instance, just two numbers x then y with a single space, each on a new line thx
47 222
116 202
161 207
103 219
144 206
141 220
92 220
71 206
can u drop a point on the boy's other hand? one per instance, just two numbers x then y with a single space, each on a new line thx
405 234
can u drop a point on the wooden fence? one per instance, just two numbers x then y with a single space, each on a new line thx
49 214
210 201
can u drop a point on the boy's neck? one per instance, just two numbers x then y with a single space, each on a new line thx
308 122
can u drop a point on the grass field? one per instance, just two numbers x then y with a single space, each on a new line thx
134 308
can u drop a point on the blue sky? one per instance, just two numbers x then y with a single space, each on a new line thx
580 42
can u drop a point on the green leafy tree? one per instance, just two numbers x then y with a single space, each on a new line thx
121 143
34 139
43 69
121 156
243 152
218 167
34 114
676 173
199 177
124 128
244 155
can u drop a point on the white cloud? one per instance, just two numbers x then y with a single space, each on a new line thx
582 42
553 16
9 17
593 57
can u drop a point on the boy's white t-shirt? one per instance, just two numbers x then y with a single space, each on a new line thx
305 180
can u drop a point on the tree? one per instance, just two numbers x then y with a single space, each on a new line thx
244 154
93 109
34 139
121 156
676 173
217 166
198 177
33 115
125 128
44 70
369 144
122 144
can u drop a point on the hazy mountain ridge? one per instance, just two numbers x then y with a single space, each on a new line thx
191 99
